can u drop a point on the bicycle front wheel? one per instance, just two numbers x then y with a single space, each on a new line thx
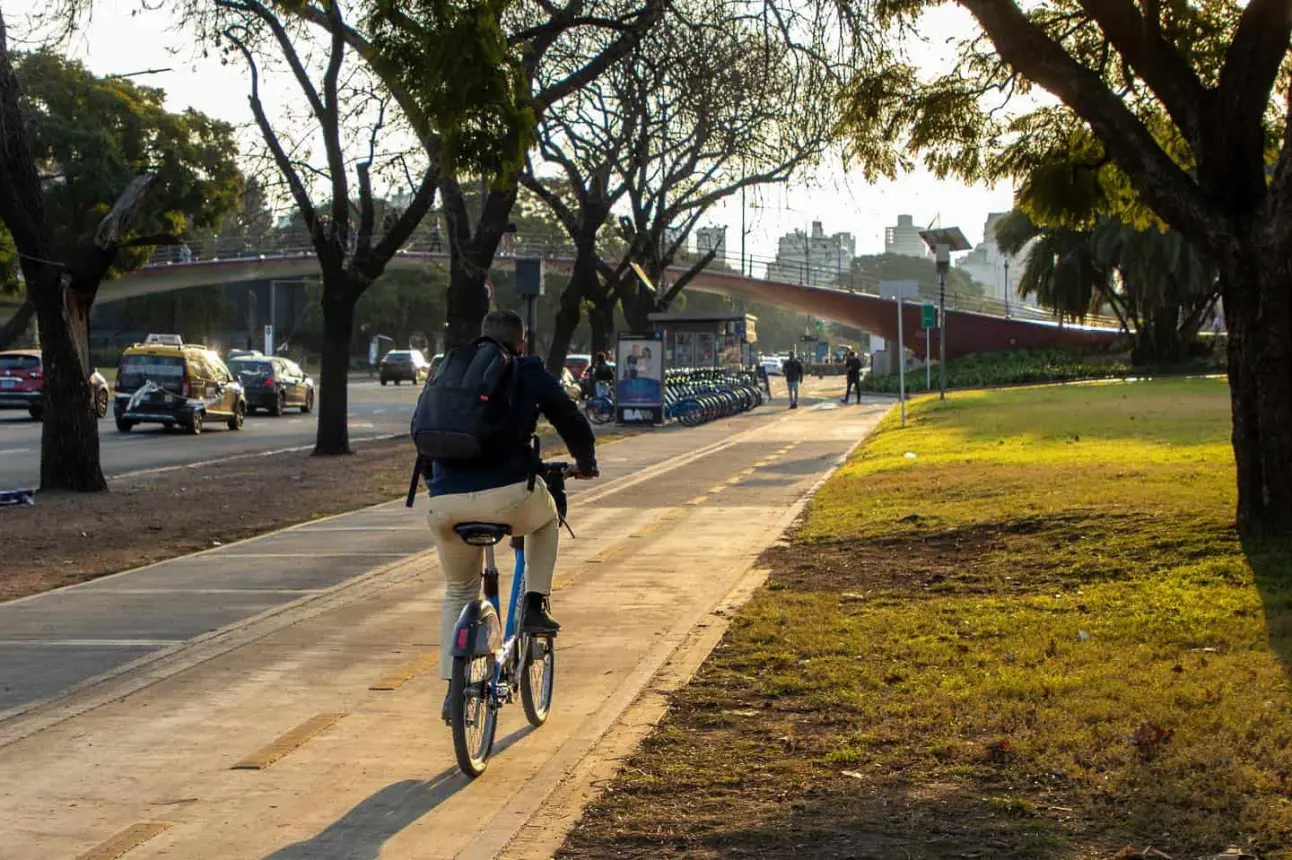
471 715
537 678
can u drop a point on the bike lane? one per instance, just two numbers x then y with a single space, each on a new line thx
329 703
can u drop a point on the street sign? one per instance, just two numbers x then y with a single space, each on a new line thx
928 315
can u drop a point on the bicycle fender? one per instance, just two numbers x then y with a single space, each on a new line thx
478 631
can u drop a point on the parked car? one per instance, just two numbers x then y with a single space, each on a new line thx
243 353
772 365
274 384
166 381
404 364
22 381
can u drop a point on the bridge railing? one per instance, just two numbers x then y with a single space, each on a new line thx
837 275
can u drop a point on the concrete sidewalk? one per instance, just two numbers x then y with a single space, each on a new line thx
309 657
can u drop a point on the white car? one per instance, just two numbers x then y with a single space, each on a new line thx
772 366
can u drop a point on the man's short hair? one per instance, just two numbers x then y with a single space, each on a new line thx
505 327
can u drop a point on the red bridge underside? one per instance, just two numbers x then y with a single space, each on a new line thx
967 332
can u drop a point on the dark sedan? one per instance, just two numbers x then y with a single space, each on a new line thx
274 384
404 364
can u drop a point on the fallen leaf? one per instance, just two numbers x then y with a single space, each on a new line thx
1148 738
851 773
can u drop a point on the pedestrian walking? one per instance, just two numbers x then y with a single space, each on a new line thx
852 367
793 370
764 380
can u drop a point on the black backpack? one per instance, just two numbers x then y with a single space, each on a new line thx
467 411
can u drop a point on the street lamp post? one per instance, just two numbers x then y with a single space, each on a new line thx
1007 288
943 241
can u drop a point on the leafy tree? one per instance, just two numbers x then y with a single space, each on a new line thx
352 246
1168 113
93 173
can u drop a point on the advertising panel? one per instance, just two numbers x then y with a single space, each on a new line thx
639 390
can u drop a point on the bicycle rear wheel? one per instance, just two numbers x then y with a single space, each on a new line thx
473 720
537 678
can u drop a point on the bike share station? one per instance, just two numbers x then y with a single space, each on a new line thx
691 366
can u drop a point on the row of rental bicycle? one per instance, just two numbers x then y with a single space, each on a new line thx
692 395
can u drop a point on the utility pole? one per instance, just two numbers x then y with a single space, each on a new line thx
1007 288
742 230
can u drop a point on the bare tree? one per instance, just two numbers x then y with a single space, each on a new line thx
724 96
344 106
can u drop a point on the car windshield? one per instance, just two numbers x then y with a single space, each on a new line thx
398 355
19 362
165 370
251 368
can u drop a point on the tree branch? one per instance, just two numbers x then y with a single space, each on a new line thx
1162 183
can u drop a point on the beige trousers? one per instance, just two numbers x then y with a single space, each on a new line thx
529 512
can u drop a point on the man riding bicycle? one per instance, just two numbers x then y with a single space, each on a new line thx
503 489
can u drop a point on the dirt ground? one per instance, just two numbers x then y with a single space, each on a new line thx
67 538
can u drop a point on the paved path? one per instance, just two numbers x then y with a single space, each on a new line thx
318 644
374 411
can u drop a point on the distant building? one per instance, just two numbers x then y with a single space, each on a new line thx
712 239
986 264
817 260
904 239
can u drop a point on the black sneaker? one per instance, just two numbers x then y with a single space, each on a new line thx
538 615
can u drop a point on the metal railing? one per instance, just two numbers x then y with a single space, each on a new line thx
288 244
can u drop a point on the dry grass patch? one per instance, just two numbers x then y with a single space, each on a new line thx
1038 638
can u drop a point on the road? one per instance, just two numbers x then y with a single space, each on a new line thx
277 697
374 411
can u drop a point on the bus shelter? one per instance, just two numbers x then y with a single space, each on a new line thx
707 338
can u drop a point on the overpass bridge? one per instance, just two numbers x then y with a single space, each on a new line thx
976 324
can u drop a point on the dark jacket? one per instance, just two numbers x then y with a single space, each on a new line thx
537 392
853 366
793 369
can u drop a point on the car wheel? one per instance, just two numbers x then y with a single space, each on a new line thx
35 414
195 424
239 414
396 381
279 405
101 403
383 381
309 402
124 426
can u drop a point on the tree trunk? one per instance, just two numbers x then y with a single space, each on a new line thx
333 436
1258 313
69 446
467 305
582 285
601 319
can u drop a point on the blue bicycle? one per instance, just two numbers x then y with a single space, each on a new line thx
491 663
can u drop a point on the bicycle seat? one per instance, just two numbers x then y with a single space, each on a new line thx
482 534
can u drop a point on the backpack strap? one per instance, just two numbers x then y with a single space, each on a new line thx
412 485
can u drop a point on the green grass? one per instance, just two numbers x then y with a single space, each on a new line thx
1037 637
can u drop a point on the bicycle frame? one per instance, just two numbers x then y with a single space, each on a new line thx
507 656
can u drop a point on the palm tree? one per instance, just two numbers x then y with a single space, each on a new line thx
1158 285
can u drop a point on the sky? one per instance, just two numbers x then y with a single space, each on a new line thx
118 42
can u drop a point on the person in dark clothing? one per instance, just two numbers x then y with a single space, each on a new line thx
603 375
502 490
853 369
793 370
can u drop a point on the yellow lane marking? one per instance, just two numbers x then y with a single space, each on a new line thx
607 553
127 840
698 500
288 742
408 672
648 529
714 490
